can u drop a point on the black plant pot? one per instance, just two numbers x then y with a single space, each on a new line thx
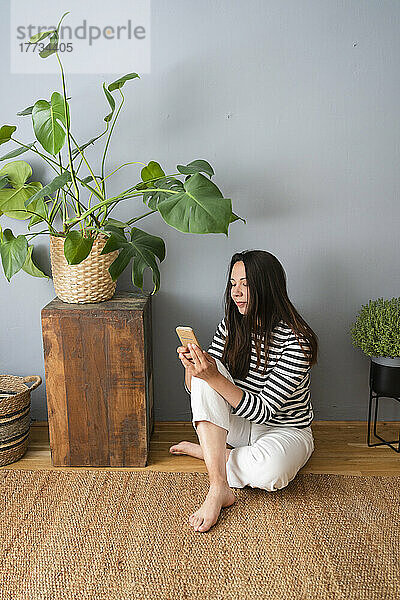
384 379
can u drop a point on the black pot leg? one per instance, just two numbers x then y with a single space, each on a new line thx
387 443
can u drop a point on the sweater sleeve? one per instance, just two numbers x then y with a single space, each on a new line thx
291 372
217 345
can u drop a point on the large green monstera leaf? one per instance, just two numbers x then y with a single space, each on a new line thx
12 200
143 248
195 206
48 121
30 267
146 248
16 254
199 208
165 184
13 251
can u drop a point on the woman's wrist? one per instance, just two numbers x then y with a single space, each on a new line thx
228 390
215 379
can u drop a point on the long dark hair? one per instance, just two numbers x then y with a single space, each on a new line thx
268 304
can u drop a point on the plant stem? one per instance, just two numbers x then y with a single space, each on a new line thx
120 167
111 200
108 142
88 166
33 213
37 233
110 208
76 171
51 162
66 111
112 173
107 211
54 210
141 217
149 181
51 218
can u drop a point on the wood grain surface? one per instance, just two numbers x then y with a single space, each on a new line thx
99 384
340 448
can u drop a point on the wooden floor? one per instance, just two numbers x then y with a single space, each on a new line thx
340 447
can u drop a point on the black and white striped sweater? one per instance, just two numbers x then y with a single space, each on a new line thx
281 396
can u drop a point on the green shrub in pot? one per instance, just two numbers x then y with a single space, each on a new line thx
376 330
187 199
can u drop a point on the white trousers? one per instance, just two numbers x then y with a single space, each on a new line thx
263 456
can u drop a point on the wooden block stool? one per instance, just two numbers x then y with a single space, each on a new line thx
99 381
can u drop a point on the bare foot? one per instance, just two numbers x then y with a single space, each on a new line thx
192 450
219 496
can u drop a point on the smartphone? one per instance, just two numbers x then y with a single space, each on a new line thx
187 336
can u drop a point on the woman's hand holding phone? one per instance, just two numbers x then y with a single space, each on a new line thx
200 364
186 336
183 350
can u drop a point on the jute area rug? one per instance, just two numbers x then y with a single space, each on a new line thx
105 535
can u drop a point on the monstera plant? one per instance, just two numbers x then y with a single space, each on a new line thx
187 200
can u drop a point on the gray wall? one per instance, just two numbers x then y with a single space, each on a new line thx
296 105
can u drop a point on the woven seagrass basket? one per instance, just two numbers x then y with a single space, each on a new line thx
87 282
15 418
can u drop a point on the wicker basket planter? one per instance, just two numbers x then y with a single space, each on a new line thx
87 282
15 416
